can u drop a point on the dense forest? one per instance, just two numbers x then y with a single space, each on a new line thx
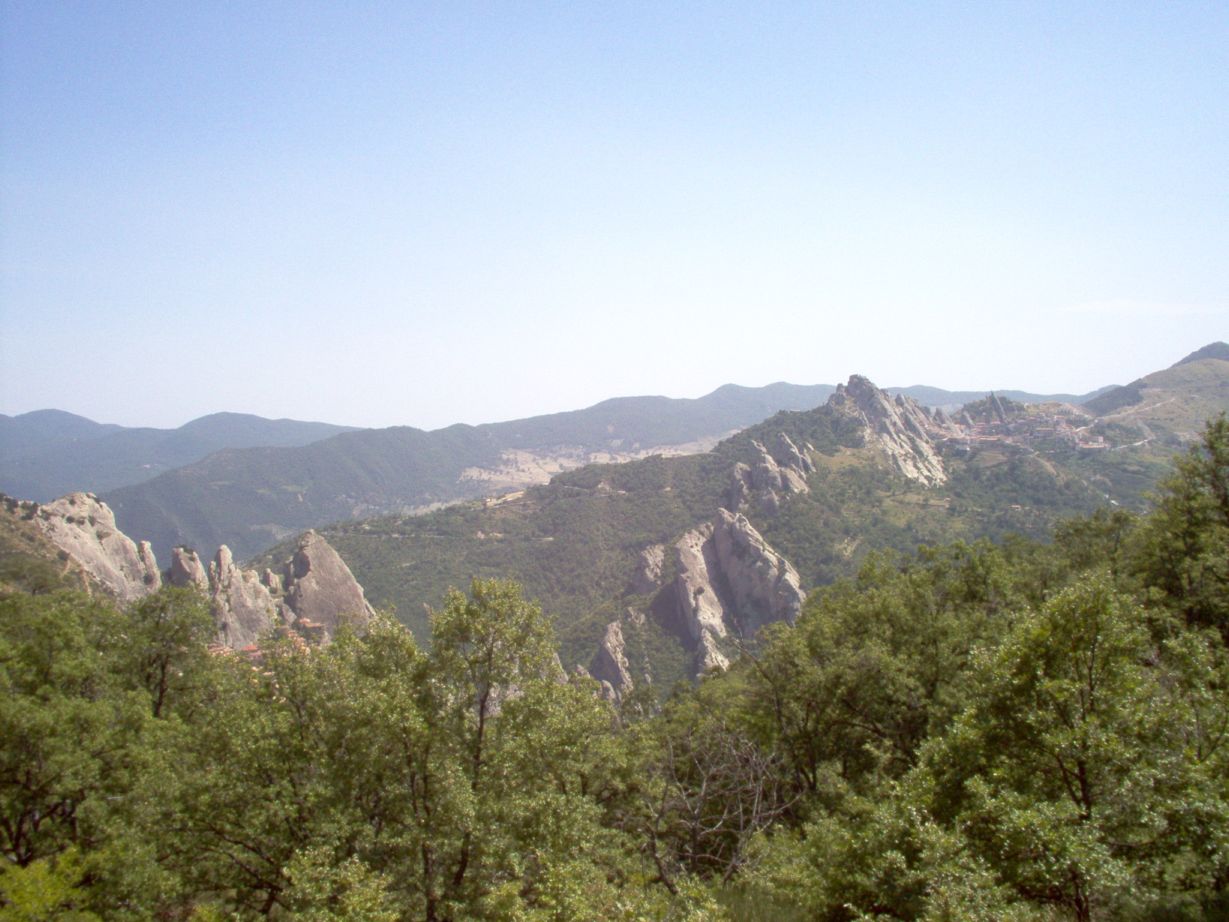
1016 730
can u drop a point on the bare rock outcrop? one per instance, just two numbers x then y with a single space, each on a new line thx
700 608
186 569
609 664
709 657
763 586
729 582
315 592
648 574
781 468
319 587
83 526
243 607
905 430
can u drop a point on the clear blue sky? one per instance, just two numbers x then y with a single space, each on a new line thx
411 213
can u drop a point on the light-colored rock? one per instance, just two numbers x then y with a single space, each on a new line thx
186 569
320 588
648 570
83 526
905 430
699 607
243 607
776 472
764 586
730 581
708 657
609 664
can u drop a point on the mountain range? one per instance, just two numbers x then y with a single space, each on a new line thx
662 555
683 558
248 482
49 453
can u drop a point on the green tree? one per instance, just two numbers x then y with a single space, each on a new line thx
1181 551
1081 769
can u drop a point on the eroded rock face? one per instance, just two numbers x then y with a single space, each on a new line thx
186 569
315 593
906 431
781 469
243 607
709 658
609 664
83 526
648 570
700 608
730 582
763 586
320 588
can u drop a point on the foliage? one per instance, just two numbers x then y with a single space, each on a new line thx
975 730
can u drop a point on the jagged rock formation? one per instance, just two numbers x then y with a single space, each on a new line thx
729 582
320 588
609 665
764 586
83 527
243 607
906 431
186 569
314 594
783 468
648 574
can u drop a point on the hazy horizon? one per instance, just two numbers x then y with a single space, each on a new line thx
422 215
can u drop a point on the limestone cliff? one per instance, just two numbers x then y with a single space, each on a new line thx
905 430
83 527
186 569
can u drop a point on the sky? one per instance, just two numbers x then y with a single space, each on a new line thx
419 214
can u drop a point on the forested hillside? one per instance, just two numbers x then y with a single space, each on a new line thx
575 544
1017 730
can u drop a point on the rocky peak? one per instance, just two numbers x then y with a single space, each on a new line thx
905 430
83 526
186 569
320 588
242 606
